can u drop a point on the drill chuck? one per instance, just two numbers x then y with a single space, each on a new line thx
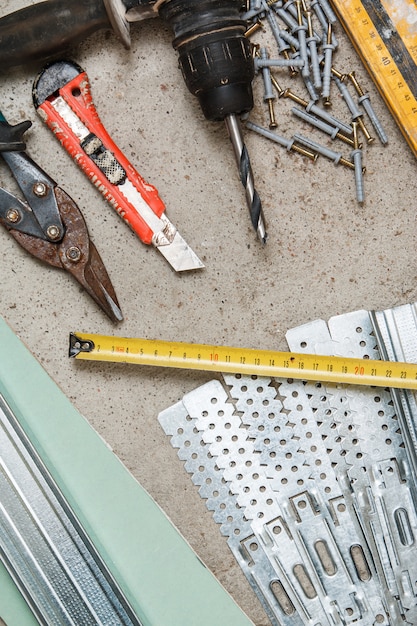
214 55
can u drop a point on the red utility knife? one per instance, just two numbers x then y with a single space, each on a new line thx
62 97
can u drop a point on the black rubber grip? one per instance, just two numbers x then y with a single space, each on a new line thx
42 30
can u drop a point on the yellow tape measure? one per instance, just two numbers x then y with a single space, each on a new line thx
384 34
243 360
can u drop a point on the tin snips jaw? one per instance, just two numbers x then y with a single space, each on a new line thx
48 223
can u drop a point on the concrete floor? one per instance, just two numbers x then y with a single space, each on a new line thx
325 255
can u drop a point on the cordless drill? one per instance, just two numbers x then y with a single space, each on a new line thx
215 57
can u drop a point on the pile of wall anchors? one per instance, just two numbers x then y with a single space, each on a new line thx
299 44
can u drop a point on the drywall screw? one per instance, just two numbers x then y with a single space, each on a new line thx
328 48
336 157
356 155
357 115
13 216
311 107
332 131
364 100
282 141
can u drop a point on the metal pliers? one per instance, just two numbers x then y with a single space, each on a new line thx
49 224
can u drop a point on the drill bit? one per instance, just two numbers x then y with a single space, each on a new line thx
246 176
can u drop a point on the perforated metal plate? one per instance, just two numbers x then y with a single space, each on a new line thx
311 484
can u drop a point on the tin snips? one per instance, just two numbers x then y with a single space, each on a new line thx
49 224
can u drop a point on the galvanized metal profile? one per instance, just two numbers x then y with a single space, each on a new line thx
43 545
396 333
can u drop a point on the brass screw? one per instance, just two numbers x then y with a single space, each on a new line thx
355 135
344 138
272 120
277 86
293 70
365 131
327 66
338 74
355 83
347 163
292 96
313 156
254 29
356 144
365 101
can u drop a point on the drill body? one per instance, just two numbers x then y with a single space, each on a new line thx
214 54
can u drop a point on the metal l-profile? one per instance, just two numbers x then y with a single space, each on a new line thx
396 333
42 544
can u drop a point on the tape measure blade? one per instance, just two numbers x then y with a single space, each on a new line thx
246 361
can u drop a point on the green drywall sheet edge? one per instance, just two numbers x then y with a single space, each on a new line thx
13 608
162 577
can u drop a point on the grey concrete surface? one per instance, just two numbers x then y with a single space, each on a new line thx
325 255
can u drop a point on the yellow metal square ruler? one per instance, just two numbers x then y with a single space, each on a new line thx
384 33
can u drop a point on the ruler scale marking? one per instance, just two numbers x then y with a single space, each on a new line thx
227 359
387 44
393 41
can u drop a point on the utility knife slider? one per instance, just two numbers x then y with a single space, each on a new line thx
62 97
49 224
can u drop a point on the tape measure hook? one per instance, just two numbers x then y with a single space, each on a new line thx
77 345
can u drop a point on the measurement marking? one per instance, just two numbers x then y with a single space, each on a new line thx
244 361
392 40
